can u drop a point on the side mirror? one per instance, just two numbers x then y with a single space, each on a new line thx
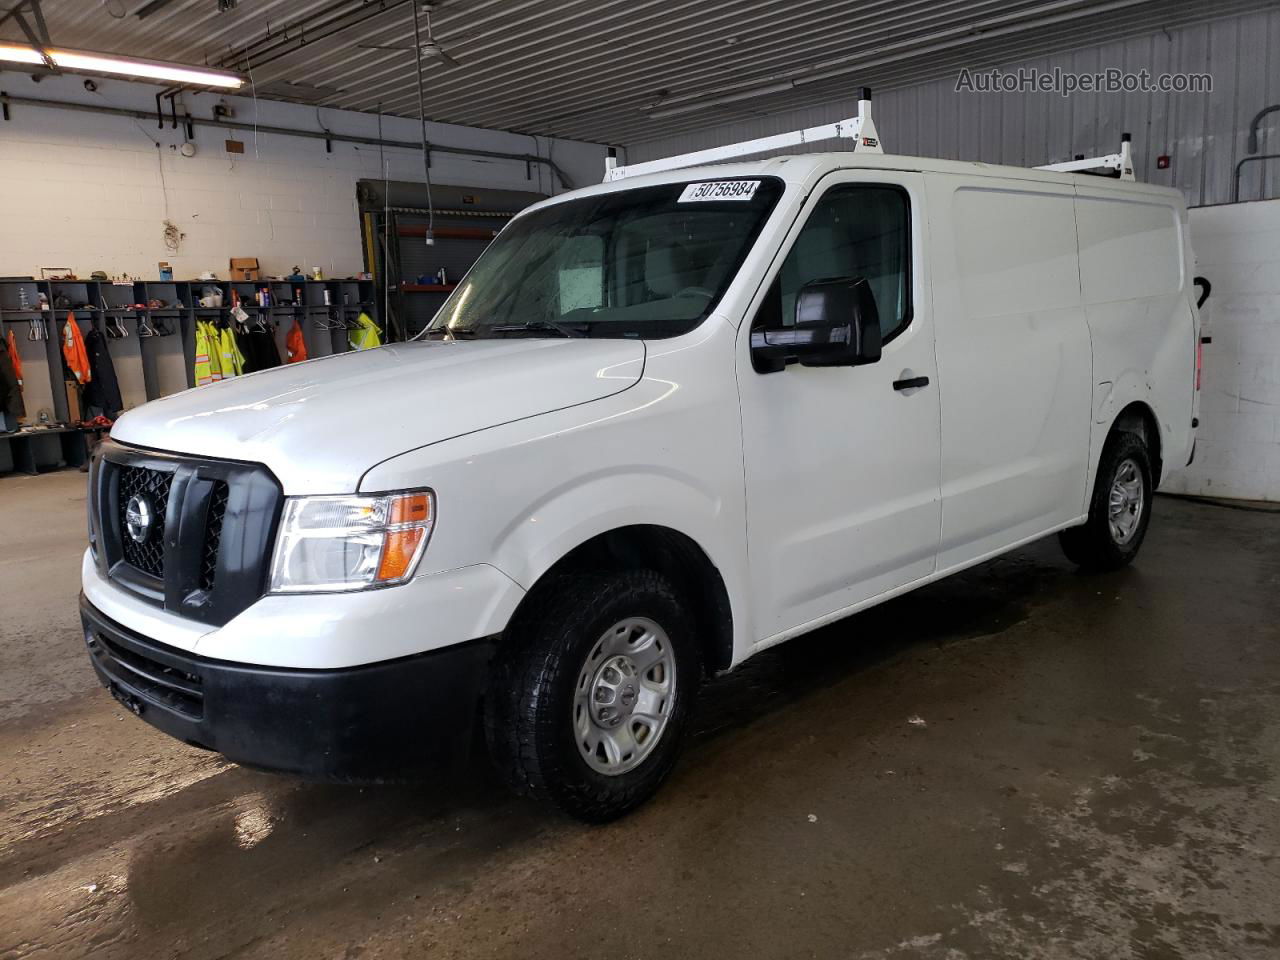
837 325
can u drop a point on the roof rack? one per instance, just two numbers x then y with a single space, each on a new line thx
1121 163
860 129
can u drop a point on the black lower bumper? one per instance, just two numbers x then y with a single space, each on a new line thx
382 721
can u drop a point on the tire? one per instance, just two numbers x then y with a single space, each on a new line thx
1101 544
596 663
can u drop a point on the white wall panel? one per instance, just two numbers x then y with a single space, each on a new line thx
91 191
1237 247
1205 134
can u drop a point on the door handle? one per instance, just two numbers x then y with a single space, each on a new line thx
910 383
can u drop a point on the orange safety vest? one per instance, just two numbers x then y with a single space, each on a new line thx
73 351
295 343
14 358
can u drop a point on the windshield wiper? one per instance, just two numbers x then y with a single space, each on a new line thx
447 334
561 328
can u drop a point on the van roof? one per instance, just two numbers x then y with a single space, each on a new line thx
808 168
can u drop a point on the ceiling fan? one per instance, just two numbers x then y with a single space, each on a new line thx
428 49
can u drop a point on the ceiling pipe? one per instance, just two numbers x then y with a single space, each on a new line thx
293 132
254 54
308 33
154 6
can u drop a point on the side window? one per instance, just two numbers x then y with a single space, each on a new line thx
854 231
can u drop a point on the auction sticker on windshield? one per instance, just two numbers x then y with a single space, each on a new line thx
719 190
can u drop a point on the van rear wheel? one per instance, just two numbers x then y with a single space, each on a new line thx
1119 510
590 695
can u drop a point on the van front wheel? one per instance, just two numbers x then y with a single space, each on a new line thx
591 692
1119 510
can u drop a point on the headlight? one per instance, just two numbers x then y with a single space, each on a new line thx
351 543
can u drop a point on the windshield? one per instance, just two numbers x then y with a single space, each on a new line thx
649 262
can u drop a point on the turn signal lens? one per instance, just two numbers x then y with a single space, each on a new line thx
411 508
398 552
410 524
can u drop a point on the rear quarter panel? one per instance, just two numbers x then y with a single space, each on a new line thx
1135 276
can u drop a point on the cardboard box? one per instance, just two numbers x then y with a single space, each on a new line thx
74 413
244 268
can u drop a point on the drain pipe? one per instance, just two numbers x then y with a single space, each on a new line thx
1253 126
526 158
1235 185
1253 149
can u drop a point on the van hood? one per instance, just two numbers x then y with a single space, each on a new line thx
320 425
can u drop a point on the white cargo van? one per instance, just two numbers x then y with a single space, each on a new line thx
664 423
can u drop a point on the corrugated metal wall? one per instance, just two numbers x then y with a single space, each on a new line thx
1204 134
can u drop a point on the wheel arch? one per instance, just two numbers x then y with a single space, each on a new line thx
1139 419
675 555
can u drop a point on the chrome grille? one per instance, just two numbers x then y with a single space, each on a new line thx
206 552
147 555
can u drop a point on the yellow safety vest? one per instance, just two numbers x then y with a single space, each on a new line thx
232 360
205 348
367 335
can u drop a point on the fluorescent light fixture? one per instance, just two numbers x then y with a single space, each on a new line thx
122 66
16 54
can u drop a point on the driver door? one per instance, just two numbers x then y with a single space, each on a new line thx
842 463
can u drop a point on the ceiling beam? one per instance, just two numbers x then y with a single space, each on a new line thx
155 6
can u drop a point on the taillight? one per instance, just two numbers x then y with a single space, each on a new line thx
1199 360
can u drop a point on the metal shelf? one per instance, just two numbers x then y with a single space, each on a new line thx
446 233
428 287
184 297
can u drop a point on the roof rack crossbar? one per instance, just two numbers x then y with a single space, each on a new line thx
1121 162
860 129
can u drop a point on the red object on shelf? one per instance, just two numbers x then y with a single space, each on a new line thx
427 287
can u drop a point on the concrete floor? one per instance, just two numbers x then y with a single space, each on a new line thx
1097 775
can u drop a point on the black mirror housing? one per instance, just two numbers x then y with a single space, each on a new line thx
836 325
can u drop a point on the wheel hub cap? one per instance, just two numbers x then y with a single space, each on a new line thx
1125 502
613 691
624 696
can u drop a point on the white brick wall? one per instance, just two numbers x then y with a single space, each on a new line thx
84 191
1237 248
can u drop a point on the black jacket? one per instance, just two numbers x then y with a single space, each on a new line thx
102 390
259 350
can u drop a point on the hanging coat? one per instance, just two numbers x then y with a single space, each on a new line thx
366 335
14 358
230 359
103 390
73 351
10 392
215 349
202 369
296 343
260 351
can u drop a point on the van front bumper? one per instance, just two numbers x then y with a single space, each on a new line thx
379 721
